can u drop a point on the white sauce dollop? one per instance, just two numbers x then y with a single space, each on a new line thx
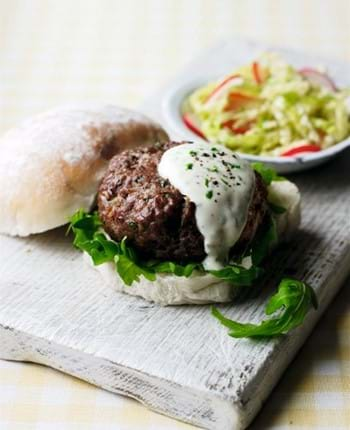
221 185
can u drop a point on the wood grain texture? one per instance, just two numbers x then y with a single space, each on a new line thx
179 361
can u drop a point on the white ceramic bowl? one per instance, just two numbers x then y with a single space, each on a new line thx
171 110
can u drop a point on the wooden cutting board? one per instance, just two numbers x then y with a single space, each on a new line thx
55 310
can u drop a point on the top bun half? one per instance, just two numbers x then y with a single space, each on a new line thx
51 165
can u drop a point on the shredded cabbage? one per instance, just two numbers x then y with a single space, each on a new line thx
282 111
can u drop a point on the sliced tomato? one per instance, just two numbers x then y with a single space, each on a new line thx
301 149
314 76
192 124
230 124
225 84
237 100
257 73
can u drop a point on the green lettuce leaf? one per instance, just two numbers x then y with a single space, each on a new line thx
293 300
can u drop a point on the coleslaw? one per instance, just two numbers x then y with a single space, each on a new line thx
270 108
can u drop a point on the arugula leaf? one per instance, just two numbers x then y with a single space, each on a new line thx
176 269
293 299
84 225
238 275
278 210
267 173
263 241
128 266
89 237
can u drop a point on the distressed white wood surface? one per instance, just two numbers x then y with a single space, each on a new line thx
55 310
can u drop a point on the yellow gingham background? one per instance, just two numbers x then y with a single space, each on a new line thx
58 51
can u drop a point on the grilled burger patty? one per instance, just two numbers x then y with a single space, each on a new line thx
158 221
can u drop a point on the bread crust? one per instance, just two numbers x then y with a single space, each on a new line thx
51 165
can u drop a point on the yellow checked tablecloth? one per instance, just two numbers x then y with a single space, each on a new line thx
59 51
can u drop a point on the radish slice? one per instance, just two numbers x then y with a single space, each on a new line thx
224 87
316 77
301 149
191 123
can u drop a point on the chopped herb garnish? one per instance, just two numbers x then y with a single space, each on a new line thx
213 169
206 182
209 194
189 166
193 153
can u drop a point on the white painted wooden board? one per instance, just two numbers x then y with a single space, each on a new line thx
179 361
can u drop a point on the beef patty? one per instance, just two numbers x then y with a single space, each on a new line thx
158 221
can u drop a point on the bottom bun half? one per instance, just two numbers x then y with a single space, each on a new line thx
169 289
204 288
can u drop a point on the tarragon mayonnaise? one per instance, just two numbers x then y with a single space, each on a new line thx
221 185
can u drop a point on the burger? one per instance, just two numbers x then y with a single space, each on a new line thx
182 222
